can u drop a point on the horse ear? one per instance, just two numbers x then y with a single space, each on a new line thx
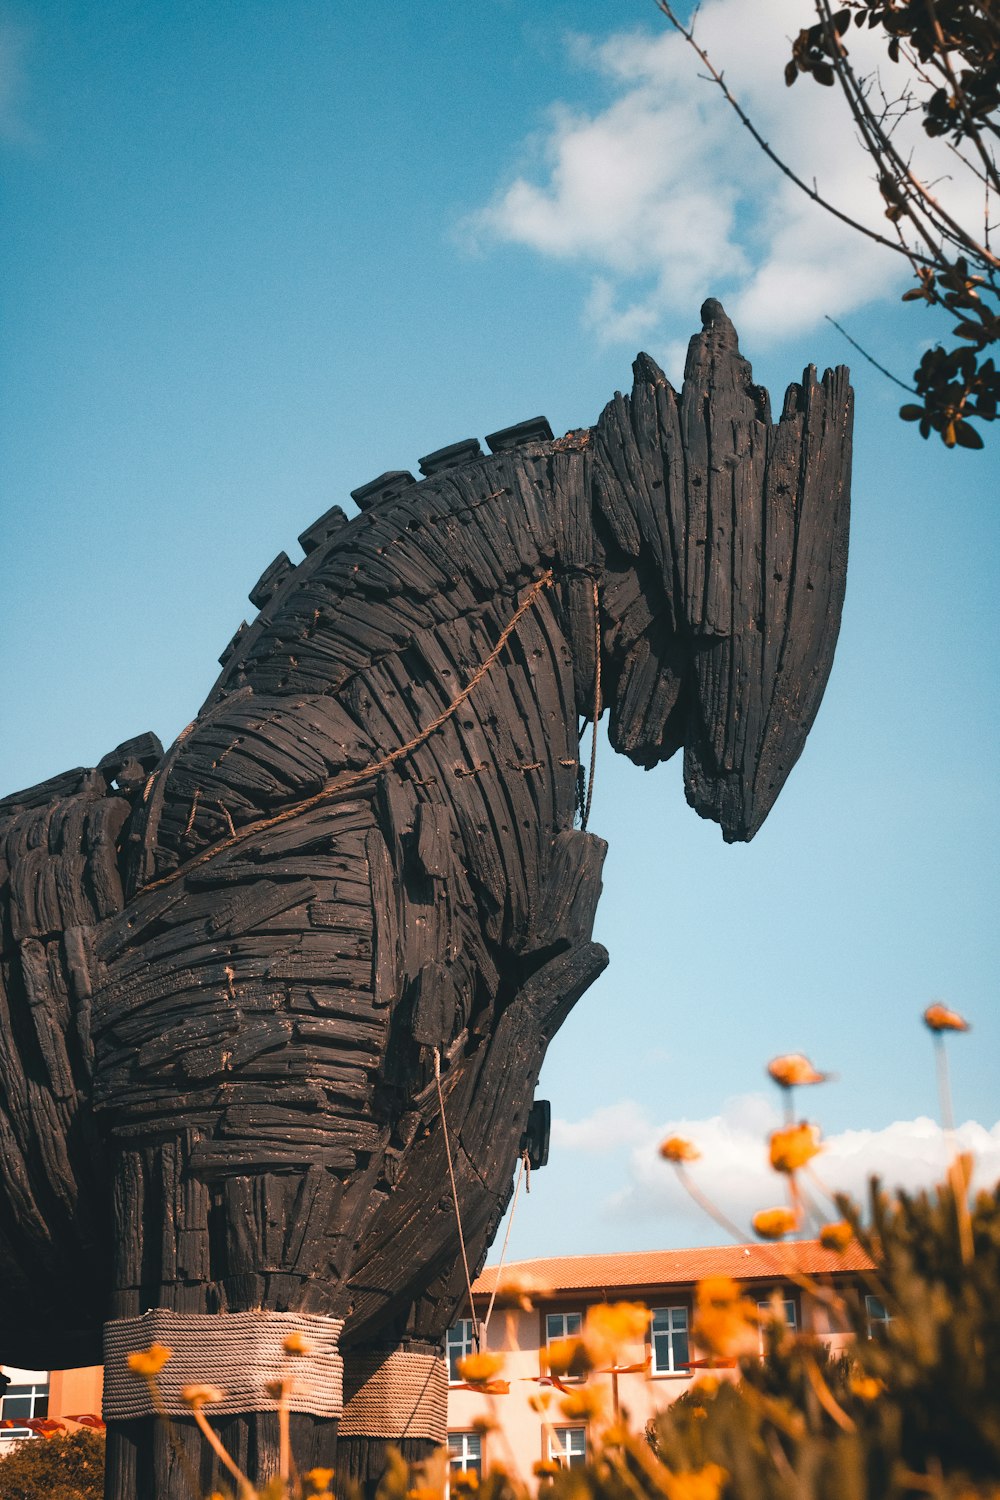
645 371
763 578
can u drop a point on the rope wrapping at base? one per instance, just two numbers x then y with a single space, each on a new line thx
395 1393
241 1353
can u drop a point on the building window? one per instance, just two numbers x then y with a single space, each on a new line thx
768 1308
26 1396
461 1342
465 1453
568 1447
670 1340
878 1314
563 1325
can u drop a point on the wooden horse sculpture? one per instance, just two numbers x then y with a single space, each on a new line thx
239 978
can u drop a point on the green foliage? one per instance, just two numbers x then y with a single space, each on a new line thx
57 1468
950 56
913 1410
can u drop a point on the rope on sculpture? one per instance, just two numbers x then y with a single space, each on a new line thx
395 1394
454 1194
339 784
523 1167
241 1353
585 813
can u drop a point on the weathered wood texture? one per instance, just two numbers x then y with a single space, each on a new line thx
220 1006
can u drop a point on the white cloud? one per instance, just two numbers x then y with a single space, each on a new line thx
14 43
665 198
734 1172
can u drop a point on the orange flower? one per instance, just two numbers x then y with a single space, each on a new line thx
517 1289
296 1343
320 1479
793 1069
695 1484
939 1018
540 1401
567 1357
610 1326
836 1236
725 1322
792 1147
585 1405
866 1387
676 1149
774 1223
545 1468
149 1361
467 1480
477 1369
196 1396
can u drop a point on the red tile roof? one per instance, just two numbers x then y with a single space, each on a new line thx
654 1268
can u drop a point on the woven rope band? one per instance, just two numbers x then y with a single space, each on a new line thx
395 1394
241 1353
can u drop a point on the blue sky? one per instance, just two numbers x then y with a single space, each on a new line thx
255 254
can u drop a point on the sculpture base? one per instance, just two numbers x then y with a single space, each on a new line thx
148 1459
361 1462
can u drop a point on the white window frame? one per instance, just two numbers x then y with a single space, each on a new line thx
568 1446
565 1331
876 1312
460 1342
33 1384
676 1322
765 1306
465 1453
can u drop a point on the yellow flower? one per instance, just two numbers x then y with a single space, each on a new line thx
296 1343
466 1479
696 1484
149 1361
866 1387
567 1357
706 1385
793 1069
774 1223
477 1369
585 1405
610 1326
520 1290
277 1389
483 1425
836 1236
540 1401
676 1149
792 1147
725 1322
939 1018
545 1468
320 1479
200 1395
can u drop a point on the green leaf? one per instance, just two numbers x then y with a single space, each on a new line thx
966 436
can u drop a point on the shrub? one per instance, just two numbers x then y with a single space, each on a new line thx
57 1468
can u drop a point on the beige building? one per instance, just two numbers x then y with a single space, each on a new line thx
40 1395
657 1368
